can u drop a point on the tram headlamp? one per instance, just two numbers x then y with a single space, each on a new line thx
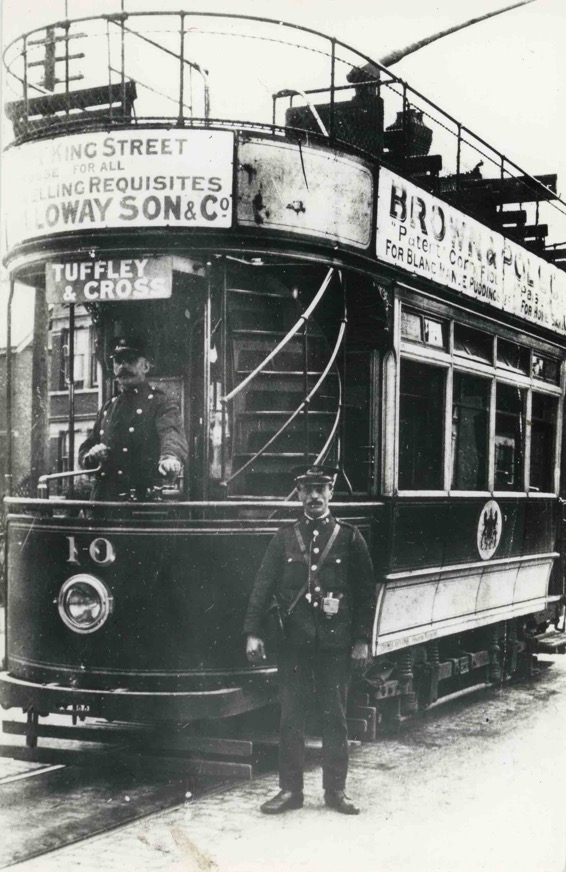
84 603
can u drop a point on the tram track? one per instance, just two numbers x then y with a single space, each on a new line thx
77 790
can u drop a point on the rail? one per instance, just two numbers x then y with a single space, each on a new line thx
43 482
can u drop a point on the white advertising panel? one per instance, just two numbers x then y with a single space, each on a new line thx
301 189
426 237
123 179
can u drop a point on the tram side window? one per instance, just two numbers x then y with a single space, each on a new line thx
513 356
543 417
509 437
470 427
473 343
421 423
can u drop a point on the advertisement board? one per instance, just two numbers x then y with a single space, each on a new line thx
424 236
123 179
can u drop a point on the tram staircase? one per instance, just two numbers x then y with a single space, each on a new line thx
258 319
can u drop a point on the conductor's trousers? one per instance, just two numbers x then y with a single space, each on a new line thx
308 675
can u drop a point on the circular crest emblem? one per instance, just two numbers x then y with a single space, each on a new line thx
490 526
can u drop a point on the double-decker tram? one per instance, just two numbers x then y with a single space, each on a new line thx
325 267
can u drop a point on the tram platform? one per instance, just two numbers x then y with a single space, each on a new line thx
462 790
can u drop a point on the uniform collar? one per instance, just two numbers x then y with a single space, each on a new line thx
317 522
139 391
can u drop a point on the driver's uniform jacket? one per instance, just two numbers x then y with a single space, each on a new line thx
346 573
139 426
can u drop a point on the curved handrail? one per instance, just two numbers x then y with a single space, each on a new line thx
292 332
323 451
299 409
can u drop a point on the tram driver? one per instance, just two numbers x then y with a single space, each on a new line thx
138 434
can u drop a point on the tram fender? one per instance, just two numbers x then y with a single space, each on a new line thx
123 704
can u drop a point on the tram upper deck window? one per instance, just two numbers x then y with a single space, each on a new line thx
546 369
421 328
512 356
509 437
543 418
421 422
473 343
470 428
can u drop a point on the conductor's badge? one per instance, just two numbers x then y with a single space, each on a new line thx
331 604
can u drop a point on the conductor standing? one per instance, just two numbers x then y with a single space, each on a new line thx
320 572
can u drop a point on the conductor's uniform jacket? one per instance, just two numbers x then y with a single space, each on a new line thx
346 572
332 559
139 426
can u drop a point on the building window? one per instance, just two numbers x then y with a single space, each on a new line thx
421 416
509 437
63 452
470 429
85 371
543 418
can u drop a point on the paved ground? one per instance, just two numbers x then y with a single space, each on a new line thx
479 788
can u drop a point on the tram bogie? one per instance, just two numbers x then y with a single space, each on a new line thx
311 288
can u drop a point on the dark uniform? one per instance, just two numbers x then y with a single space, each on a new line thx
336 610
139 426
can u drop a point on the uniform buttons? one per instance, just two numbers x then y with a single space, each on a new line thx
317 590
316 550
101 432
120 472
315 532
289 560
125 450
150 396
338 560
315 605
131 429
139 411
114 399
102 475
314 567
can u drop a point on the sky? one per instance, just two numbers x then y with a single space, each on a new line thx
504 78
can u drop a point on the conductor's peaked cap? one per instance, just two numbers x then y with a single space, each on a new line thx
315 474
129 346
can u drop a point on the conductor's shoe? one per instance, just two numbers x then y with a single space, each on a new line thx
338 800
283 801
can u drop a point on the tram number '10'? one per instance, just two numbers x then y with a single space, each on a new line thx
101 551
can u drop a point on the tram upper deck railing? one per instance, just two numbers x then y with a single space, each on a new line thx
184 69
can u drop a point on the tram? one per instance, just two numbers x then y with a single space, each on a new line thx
326 268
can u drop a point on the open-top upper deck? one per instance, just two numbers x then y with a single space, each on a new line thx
300 133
